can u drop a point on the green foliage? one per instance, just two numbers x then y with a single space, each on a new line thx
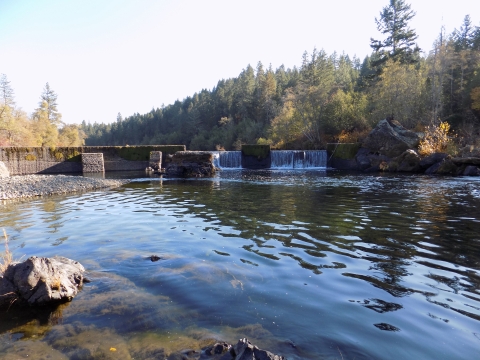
134 153
30 157
399 94
399 43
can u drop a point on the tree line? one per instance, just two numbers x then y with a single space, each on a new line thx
44 127
328 98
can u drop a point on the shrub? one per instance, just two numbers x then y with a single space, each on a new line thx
436 139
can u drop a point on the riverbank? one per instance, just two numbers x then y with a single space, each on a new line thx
19 187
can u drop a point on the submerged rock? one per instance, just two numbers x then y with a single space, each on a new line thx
154 258
41 281
243 350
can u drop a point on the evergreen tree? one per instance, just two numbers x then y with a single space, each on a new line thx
46 118
464 38
49 103
400 39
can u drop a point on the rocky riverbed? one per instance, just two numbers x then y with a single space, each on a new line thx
26 186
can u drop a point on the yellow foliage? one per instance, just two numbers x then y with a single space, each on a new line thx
436 139
346 137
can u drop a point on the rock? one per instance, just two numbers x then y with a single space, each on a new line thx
391 139
471 170
3 170
432 159
370 162
41 281
467 160
362 158
218 348
409 161
243 350
447 167
191 164
432 169
154 258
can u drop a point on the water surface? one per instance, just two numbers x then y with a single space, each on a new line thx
307 264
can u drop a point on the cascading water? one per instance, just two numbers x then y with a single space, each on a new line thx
281 159
298 159
227 159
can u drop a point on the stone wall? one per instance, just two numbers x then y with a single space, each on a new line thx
92 163
38 160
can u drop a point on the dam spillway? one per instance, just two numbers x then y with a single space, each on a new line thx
280 159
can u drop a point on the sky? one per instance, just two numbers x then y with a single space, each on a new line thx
104 57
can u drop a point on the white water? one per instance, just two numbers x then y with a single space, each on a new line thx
227 159
281 159
298 159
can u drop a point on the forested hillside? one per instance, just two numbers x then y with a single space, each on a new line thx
328 97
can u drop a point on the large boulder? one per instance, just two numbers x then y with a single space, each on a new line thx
191 164
391 139
471 170
432 159
3 170
368 161
409 161
41 281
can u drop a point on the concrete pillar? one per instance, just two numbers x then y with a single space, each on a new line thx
156 160
92 163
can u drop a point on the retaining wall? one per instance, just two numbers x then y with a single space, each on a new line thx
38 160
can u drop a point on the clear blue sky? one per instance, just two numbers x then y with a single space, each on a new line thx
107 56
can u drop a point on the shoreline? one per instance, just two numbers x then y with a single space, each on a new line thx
29 186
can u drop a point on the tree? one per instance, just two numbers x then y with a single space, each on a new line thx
71 135
6 92
464 38
10 128
399 93
46 118
49 102
400 41
7 102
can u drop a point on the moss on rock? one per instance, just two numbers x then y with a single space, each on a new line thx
343 151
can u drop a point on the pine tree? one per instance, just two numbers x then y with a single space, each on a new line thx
400 41
49 103
6 94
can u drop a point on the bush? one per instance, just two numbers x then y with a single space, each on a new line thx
436 139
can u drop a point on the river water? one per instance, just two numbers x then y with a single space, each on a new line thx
307 264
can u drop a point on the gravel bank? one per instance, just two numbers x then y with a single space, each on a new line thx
17 187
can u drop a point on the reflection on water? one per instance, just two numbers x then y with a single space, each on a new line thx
304 263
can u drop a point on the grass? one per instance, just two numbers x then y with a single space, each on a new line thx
6 258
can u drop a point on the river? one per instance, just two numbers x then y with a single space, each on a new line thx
308 264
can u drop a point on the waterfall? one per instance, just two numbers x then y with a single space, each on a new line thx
281 159
227 159
298 159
